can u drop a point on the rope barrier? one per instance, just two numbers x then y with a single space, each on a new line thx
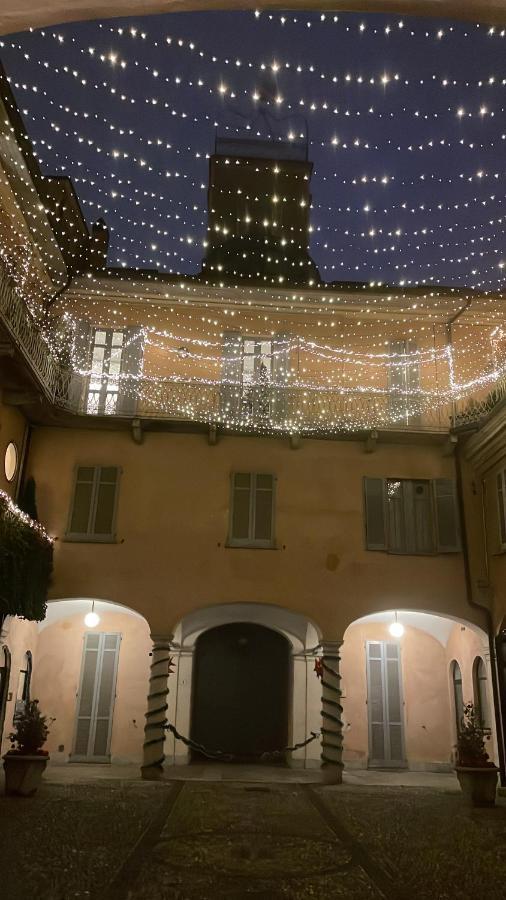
230 757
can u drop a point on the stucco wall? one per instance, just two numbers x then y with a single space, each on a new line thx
57 674
171 555
424 682
19 636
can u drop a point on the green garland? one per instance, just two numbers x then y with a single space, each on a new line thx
26 563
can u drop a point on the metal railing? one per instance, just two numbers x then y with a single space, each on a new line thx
472 410
26 335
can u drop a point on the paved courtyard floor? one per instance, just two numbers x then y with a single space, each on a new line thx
104 834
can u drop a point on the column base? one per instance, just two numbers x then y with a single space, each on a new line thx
332 774
152 773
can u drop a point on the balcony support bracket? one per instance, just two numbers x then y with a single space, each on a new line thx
137 431
212 436
371 442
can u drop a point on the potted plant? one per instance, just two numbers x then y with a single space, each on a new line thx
25 762
476 773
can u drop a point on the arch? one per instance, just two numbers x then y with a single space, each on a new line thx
301 632
241 689
108 660
480 691
19 17
5 673
457 694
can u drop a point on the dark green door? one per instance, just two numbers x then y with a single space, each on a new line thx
240 690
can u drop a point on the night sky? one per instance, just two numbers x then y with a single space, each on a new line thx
409 181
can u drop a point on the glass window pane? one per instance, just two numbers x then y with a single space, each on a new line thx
263 516
117 338
100 337
109 474
81 509
240 514
105 509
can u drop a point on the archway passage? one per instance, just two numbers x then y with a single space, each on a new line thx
241 689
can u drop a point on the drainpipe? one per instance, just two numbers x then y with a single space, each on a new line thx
488 615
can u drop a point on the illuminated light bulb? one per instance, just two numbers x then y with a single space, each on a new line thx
396 628
92 618
222 88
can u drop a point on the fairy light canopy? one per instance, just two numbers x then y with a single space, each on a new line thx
273 227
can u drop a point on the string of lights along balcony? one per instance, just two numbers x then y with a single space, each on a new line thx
397 128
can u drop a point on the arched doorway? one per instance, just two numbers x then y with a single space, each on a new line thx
241 690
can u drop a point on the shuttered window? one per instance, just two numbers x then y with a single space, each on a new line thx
501 506
480 692
96 696
93 512
252 510
411 516
458 697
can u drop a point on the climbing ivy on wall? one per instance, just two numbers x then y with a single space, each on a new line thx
26 563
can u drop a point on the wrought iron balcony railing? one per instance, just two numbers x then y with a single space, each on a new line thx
26 335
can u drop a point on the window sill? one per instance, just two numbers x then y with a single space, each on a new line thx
229 546
89 539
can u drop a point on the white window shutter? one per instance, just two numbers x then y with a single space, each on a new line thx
230 391
81 358
281 344
447 517
374 514
131 365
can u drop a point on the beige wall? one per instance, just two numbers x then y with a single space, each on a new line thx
18 636
428 738
172 526
57 673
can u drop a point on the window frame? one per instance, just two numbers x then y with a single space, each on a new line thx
500 492
480 692
438 548
457 720
89 537
250 542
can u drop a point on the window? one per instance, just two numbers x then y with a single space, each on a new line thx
252 510
5 672
11 461
24 684
458 700
103 386
93 512
116 364
408 516
480 692
256 375
501 504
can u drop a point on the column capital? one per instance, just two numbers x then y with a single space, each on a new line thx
330 648
162 639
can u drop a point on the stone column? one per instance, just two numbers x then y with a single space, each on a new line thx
156 716
332 712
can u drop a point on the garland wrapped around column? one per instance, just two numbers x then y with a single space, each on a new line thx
332 711
156 715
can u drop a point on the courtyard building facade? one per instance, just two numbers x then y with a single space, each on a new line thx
277 498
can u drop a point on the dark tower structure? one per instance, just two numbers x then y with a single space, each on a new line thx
258 213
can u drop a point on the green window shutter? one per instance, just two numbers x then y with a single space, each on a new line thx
264 485
106 485
447 518
374 514
82 500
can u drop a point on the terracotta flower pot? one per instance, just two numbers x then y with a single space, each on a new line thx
23 774
478 784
